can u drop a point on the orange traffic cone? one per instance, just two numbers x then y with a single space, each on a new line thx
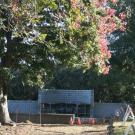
79 121
92 121
71 121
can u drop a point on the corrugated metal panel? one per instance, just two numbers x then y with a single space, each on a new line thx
102 110
16 106
66 96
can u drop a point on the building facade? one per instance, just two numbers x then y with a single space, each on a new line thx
78 102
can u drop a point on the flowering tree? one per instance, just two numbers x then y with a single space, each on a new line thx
35 36
104 20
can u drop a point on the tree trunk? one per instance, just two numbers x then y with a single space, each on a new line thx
4 113
6 63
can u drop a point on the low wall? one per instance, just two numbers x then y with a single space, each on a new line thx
45 118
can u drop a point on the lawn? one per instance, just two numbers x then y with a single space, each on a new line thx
121 131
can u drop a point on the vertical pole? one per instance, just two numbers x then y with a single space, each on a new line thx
77 109
90 111
50 108
40 108
65 108
85 109
40 114
17 112
29 111
92 103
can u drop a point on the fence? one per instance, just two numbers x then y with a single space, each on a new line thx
22 106
102 110
23 110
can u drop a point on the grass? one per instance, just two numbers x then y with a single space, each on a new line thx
121 131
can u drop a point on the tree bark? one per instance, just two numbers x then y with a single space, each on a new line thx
6 62
4 113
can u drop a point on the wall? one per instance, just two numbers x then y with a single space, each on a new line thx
44 118
102 110
20 106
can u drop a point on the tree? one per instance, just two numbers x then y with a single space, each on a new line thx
35 36
123 58
117 86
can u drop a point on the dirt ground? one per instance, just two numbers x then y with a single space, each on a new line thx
57 129
36 129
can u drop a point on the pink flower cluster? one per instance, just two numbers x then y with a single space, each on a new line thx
107 25
103 2
111 11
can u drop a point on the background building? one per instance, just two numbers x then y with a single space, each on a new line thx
78 102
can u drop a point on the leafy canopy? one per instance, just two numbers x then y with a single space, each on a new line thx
36 36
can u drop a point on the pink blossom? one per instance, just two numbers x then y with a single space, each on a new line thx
103 42
114 1
99 3
109 54
113 25
106 70
111 11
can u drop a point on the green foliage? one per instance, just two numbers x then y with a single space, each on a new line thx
123 59
18 90
119 85
38 35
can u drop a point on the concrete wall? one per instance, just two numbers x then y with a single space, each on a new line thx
102 110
